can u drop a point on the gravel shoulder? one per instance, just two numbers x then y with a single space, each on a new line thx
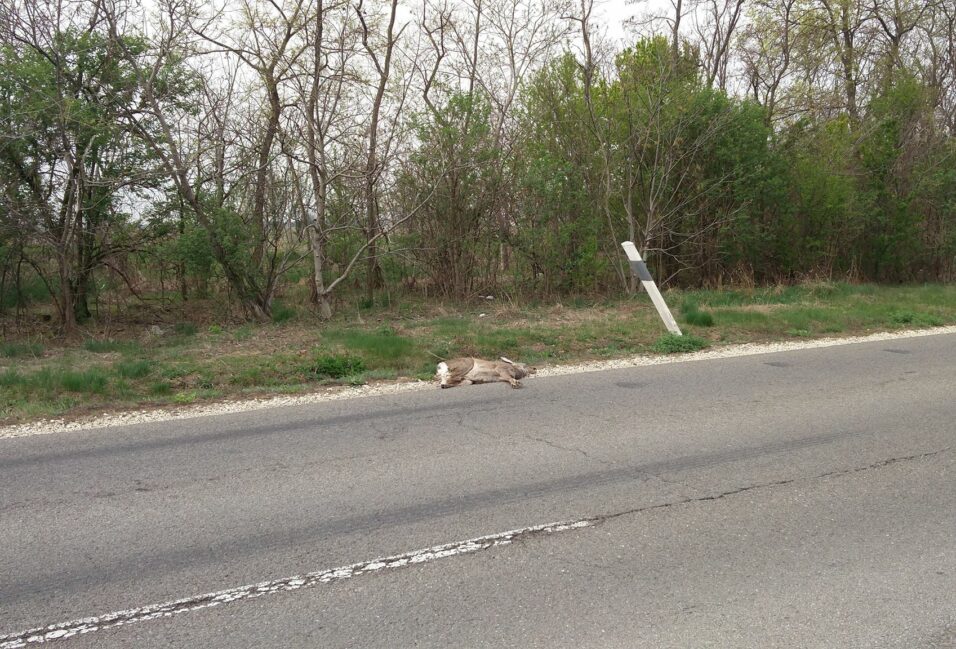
125 418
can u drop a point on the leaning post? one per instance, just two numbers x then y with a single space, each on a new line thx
639 268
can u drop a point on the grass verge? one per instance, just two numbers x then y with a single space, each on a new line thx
188 364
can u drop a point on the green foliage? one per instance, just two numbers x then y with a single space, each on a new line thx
31 290
10 378
673 344
63 103
457 167
243 332
193 249
560 225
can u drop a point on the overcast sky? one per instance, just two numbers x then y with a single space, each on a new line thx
613 13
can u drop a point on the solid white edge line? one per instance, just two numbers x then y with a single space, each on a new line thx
64 630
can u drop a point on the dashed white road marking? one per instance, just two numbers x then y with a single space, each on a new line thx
64 630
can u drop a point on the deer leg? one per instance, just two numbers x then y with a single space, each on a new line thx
452 381
506 376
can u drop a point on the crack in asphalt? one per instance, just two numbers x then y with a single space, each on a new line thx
65 630
775 483
568 449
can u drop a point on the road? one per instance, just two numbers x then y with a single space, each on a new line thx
796 499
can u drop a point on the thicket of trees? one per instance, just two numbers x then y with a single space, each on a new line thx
463 147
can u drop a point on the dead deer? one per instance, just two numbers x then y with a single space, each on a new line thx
466 371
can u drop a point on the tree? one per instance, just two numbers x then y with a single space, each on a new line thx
68 157
246 212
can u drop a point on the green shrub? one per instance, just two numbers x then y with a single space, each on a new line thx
674 344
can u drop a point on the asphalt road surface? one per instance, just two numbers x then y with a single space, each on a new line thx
796 499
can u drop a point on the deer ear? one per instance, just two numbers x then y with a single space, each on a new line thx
506 360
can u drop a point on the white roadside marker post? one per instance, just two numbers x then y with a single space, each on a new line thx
639 268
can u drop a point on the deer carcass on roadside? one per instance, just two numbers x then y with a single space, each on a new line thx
460 371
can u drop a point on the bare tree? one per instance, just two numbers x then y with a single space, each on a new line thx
715 24
226 198
327 120
381 60
843 23
767 49
897 18
599 126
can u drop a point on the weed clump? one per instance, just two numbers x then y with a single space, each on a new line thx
692 314
914 318
92 381
134 369
674 344
336 366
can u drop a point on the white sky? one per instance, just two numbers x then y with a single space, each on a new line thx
613 14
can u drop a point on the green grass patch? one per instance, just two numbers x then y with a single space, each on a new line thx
381 375
335 366
106 346
745 319
134 369
243 332
692 315
379 349
160 388
20 350
11 378
185 329
282 313
916 319
673 344
91 381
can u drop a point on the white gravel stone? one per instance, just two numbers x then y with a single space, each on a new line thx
49 426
